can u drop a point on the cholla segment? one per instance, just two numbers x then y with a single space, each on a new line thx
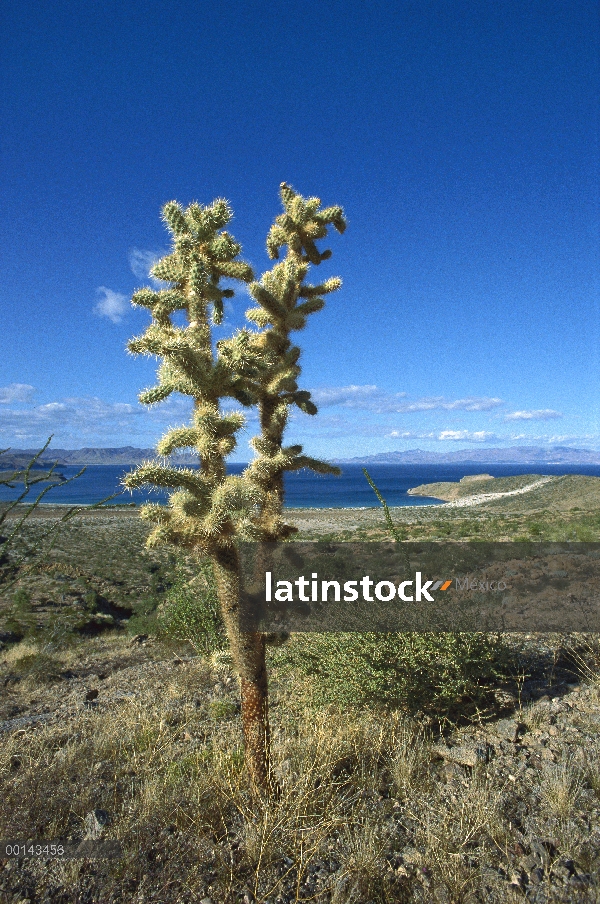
201 514
284 301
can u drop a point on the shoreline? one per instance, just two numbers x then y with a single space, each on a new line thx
296 508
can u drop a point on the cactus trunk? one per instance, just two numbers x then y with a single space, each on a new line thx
255 721
248 653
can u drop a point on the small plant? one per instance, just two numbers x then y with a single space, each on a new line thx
191 611
10 569
396 534
91 600
20 620
222 709
447 675
22 601
560 789
40 666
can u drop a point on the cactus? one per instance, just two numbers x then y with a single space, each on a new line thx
208 509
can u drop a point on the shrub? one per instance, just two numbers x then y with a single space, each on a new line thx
444 675
191 610
42 667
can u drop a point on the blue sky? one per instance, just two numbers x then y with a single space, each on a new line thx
461 138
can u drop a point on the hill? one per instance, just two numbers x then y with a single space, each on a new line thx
524 493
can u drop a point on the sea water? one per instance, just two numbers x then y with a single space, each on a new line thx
303 489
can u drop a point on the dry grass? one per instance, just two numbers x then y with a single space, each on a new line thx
560 789
366 812
411 759
167 764
18 651
186 777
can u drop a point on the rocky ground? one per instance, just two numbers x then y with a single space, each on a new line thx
109 736
135 743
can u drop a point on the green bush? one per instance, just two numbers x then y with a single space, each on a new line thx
444 675
42 667
20 620
191 610
91 600
222 709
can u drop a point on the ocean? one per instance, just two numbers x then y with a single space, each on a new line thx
303 489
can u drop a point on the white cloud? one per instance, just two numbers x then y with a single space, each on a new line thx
346 430
439 403
77 422
375 400
16 392
569 439
477 436
113 305
141 262
542 414
349 396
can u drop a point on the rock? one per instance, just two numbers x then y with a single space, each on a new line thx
467 755
453 772
536 875
517 879
563 869
504 699
528 862
509 730
541 851
411 855
490 876
95 823
24 722
580 879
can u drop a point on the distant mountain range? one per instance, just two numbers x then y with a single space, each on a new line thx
130 455
124 455
519 455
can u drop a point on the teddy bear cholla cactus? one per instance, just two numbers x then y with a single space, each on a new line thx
209 509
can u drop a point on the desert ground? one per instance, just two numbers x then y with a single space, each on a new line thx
473 776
